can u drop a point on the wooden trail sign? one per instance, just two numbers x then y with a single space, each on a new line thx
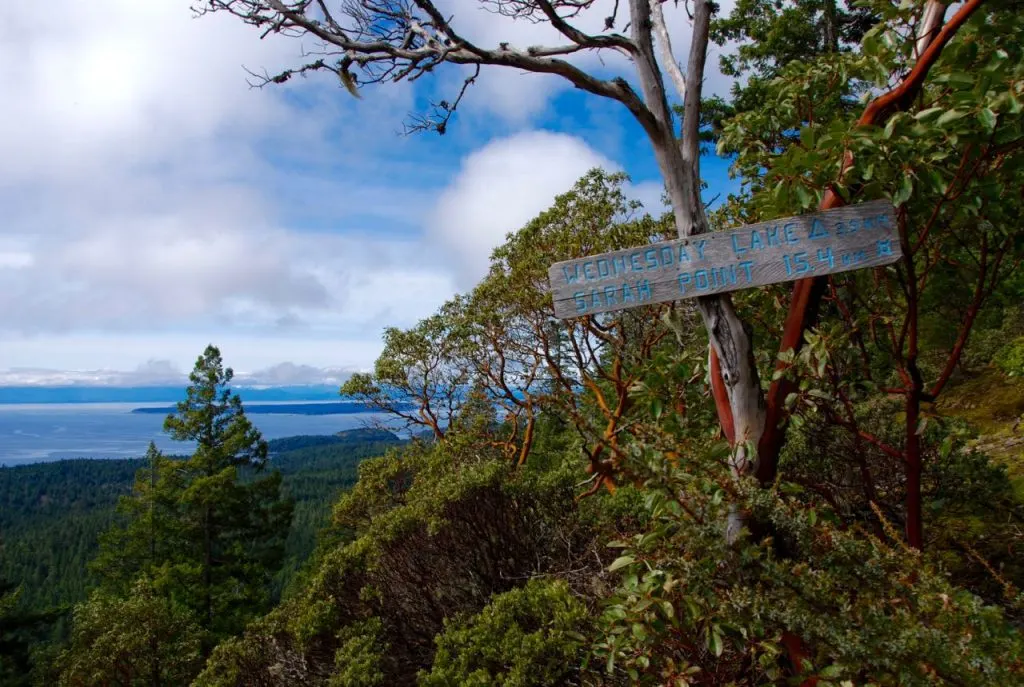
847 238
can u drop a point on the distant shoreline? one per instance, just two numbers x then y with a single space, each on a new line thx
329 408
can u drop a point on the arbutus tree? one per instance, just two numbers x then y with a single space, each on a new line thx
380 41
395 40
421 377
501 345
932 37
583 371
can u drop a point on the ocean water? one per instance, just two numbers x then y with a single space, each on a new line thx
34 433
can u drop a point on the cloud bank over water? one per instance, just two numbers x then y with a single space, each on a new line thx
163 373
153 202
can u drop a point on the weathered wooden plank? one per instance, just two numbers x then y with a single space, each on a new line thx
847 238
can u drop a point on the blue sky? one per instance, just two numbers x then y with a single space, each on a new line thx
155 203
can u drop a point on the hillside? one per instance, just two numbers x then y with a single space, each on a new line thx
52 513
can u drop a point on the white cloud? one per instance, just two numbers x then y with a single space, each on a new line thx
100 357
166 373
501 187
288 374
142 176
504 185
154 203
216 257
120 81
151 372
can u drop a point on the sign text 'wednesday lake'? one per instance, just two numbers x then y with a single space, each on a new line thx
847 238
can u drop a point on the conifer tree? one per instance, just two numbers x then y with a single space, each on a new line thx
234 526
209 530
153 534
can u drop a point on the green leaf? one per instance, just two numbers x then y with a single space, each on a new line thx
987 118
936 179
779 190
905 191
693 608
715 642
1014 105
961 78
621 562
803 196
950 116
890 127
657 408
831 671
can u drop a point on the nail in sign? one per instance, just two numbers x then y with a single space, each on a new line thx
847 238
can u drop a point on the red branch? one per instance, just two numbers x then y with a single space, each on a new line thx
721 395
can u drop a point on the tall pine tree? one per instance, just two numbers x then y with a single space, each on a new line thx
234 523
209 530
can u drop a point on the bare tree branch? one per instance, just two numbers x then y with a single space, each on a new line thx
557 13
931 22
578 36
392 40
443 111
667 57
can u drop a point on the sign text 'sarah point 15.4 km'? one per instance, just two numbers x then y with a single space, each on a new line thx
846 238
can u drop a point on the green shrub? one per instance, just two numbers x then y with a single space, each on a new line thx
528 636
360 657
1010 358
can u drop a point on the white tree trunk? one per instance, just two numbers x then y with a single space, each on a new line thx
931 22
730 337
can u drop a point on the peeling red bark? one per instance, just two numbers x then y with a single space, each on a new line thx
797 652
721 396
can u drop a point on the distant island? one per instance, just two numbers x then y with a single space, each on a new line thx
339 408
365 436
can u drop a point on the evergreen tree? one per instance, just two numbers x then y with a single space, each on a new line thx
153 535
208 529
235 529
